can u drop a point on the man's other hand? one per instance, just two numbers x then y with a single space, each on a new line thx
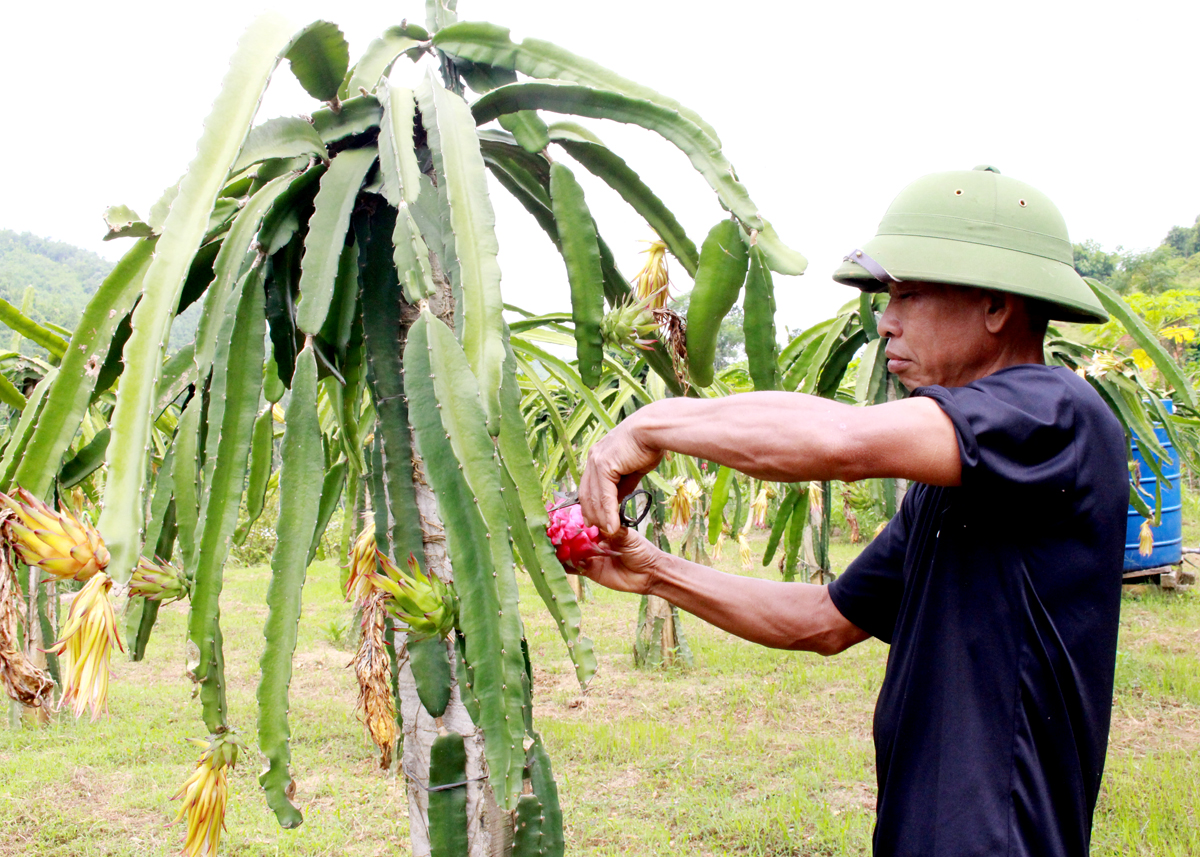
633 567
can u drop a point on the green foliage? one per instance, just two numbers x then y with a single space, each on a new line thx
758 324
1092 261
319 57
1162 286
1152 271
1185 240
302 466
1173 308
577 236
448 426
1174 264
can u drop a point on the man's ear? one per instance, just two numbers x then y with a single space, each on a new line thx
999 310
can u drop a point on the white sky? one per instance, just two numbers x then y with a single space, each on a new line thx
826 110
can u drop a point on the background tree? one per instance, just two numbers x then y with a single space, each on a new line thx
1092 261
1185 240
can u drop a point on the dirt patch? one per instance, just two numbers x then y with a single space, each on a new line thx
1177 641
1146 730
851 797
627 779
323 671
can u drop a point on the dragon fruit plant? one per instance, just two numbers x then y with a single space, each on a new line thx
350 257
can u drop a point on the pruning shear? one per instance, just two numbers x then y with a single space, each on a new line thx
632 510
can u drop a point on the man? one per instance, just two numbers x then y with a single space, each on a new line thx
997 584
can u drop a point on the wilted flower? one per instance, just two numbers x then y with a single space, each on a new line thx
850 515
652 283
879 530
1145 539
159 581
55 542
744 551
816 499
86 644
720 545
372 667
362 564
672 332
423 603
1103 362
205 796
687 492
23 680
758 508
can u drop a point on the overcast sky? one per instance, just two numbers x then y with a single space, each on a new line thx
826 110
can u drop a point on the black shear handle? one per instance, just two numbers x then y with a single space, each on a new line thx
633 518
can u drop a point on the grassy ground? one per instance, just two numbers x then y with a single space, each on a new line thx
751 752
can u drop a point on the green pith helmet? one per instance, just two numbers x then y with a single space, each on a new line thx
975 228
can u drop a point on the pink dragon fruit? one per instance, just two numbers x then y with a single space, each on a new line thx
574 541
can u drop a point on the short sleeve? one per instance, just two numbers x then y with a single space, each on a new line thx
1016 429
868 592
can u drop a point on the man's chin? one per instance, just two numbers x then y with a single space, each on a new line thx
903 371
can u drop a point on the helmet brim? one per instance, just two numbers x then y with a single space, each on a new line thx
964 263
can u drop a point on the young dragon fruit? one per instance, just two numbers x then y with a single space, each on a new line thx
630 327
574 541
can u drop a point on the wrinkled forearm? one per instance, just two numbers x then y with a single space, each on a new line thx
797 616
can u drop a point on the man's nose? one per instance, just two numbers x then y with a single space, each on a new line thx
889 326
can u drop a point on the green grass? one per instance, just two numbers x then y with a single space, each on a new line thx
751 752
105 788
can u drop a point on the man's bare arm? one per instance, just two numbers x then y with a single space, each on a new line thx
783 437
780 615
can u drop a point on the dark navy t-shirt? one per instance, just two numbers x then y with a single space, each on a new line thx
1000 600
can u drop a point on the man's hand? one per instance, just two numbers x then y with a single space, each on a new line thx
632 569
615 466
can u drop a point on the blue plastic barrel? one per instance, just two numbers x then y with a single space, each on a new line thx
1168 537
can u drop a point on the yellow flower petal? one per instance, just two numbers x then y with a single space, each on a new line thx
87 639
1145 539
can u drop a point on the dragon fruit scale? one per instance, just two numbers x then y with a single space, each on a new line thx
574 541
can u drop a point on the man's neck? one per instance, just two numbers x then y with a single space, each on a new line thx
1014 355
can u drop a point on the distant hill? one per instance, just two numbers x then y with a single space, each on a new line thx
64 278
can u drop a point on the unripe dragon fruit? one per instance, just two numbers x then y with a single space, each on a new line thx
630 326
574 541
